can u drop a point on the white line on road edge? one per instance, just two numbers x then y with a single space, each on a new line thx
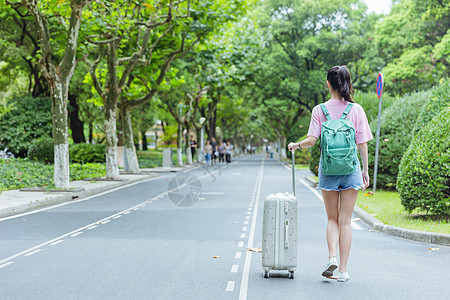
7 264
248 255
230 286
33 252
234 268
316 193
56 243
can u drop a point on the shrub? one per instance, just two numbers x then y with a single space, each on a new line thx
440 98
150 159
424 173
396 133
42 150
315 157
87 153
369 101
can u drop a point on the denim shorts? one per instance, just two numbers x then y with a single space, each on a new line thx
341 182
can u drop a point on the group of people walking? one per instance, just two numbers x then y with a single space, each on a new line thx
214 150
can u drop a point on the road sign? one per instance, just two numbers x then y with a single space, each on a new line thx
380 85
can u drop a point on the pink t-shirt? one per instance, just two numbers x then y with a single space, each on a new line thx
336 108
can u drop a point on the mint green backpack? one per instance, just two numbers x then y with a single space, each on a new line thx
338 144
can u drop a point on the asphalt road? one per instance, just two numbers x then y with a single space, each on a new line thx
152 240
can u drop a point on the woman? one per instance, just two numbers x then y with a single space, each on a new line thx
208 152
339 192
221 149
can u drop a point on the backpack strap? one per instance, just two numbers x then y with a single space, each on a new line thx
347 110
325 111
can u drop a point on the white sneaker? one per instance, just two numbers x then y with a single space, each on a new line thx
343 276
330 267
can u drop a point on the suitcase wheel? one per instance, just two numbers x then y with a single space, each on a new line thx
266 274
291 274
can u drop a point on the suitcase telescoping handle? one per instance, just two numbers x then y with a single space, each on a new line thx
293 171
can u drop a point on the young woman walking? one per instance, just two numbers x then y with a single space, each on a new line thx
339 192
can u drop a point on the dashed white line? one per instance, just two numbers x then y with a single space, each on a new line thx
234 268
116 217
247 217
56 243
246 223
230 286
243 236
249 208
126 213
136 208
105 222
33 252
356 226
77 233
244 228
238 255
92 227
249 213
240 244
6 264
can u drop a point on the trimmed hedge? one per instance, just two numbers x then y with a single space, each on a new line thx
424 173
43 151
396 133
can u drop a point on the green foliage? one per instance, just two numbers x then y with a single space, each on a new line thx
369 101
42 150
439 100
87 153
150 159
19 173
315 158
424 173
396 133
30 119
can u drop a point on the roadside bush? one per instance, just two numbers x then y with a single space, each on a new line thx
396 133
315 157
369 101
439 100
424 173
42 150
87 153
150 159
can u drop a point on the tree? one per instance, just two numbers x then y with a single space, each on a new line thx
58 68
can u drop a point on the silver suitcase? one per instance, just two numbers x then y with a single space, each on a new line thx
279 239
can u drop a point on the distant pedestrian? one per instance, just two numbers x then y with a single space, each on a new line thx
208 151
214 150
193 144
221 148
340 191
228 151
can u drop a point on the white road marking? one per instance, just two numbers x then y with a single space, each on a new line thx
126 213
136 208
76 201
105 222
116 217
240 244
246 223
78 233
244 228
234 268
33 252
56 243
249 208
243 236
92 227
230 286
288 168
6 264
311 189
248 256
247 217
249 213
356 226
238 255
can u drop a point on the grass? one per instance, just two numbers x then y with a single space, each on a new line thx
302 166
386 207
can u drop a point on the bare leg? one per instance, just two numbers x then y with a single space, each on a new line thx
331 200
347 203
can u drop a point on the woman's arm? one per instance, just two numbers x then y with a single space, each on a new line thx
365 162
306 143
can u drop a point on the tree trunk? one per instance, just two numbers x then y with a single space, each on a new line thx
144 141
188 149
131 164
180 144
283 146
110 104
91 132
60 135
76 125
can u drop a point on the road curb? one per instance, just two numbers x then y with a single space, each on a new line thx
9 211
415 235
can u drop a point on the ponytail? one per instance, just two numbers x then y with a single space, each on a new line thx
339 78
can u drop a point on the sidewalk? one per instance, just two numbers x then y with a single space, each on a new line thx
16 201
415 235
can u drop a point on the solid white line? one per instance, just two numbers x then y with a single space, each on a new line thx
6 264
356 226
92 227
230 286
240 244
56 243
234 268
33 252
76 201
78 233
311 189
238 255
243 236
248 256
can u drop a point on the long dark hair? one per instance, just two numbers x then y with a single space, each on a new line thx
339 78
